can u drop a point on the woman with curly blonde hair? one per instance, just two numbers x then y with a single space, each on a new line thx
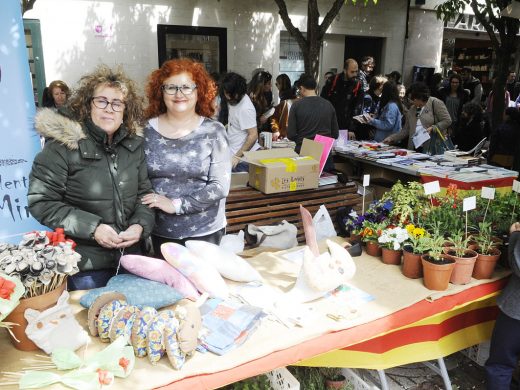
91 175
189 162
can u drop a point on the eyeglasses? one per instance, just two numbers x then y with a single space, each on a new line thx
172 89
102 103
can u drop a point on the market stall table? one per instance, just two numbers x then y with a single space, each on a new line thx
385 170
399 305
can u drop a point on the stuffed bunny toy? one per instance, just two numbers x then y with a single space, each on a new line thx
55 327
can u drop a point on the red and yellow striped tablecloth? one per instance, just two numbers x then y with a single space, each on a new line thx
440 329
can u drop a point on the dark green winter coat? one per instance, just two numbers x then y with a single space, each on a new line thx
77 182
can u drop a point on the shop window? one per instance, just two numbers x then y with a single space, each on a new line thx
291 57
204 44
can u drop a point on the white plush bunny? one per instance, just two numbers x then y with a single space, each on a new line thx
321 274
55 327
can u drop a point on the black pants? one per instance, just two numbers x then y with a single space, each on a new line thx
504 353
157 241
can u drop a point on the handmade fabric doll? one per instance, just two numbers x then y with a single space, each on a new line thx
55 327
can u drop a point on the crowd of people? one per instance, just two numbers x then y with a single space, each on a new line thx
114 171
195 131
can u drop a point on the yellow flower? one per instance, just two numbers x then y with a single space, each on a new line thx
410 228
418 232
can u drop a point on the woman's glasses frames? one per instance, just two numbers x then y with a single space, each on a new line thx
102 103
172 89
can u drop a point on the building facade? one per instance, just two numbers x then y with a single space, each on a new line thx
243 35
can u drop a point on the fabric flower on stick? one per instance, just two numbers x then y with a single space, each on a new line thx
41 261
11 290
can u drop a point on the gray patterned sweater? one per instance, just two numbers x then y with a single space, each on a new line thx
196 169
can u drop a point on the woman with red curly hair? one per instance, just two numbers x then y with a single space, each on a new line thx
188 157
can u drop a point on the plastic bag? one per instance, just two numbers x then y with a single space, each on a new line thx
323 224
281 236
233 242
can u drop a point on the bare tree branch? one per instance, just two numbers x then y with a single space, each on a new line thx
486 23
329 18
294 31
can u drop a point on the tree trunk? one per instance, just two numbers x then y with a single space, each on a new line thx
312 59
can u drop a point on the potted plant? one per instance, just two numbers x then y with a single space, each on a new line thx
488 253
445 212
334 379
464 258
413 249
437 266
408 200
369 235
391 240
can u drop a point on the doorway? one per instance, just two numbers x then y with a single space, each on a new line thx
358 47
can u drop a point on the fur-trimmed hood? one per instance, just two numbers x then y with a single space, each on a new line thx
51 124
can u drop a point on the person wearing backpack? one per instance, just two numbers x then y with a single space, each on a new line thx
346 94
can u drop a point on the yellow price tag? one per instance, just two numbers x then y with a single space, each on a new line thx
292 186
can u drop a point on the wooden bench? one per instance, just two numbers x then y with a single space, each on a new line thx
247 205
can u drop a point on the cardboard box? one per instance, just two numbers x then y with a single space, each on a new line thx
283 170
239 179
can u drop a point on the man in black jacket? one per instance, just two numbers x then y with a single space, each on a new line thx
345 92
472 84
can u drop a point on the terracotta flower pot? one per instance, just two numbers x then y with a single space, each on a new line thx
412 266
485 265
373 249
391 256
40 302
437 276
463 266
354 238
335 384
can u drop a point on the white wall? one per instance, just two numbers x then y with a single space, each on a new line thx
72 46
424 44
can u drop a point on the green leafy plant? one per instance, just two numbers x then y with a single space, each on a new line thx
445 212
260 382
408 201
418 239
485 241
460 243
372 230
310 378
332 373
501 211
435 249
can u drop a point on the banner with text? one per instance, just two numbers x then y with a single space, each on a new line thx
20 142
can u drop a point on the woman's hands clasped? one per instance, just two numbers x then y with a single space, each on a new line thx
159 202
107 237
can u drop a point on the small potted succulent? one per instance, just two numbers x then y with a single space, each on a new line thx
488 253
413 249
391 240
464 258
437 266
